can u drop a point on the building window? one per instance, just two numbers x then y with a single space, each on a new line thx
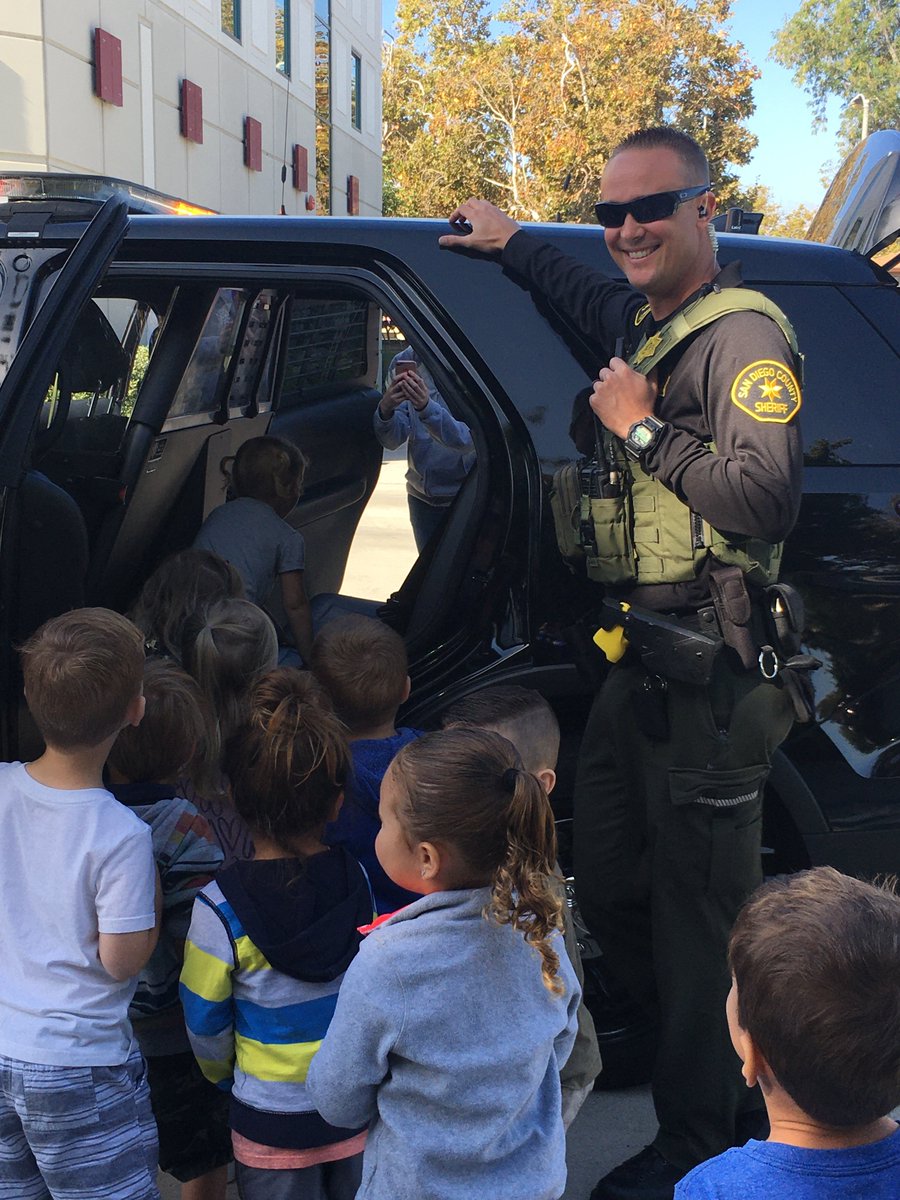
356 90
323 106
283 37
231 18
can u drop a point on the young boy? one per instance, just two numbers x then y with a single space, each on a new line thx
524 717
79 917
814 1015
144 767
362 665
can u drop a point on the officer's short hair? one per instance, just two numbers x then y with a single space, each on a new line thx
519 714
816 960
665 137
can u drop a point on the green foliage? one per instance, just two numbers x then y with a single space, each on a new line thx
527 117
138 371
841 48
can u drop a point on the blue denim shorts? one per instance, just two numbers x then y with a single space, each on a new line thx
76 1133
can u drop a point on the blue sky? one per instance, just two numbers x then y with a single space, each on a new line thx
789 157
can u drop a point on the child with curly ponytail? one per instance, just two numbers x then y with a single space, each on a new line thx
270 941
456 1015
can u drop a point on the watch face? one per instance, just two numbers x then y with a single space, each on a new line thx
642 436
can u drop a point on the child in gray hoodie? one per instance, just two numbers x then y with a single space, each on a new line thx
453 1020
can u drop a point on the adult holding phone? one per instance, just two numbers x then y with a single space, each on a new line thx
440 452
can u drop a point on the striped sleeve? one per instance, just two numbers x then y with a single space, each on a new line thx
206 993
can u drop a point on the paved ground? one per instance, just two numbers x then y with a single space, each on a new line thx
383 550
610 1127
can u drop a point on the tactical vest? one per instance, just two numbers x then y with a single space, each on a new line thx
644 534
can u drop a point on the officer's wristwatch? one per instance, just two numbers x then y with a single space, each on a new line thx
643 436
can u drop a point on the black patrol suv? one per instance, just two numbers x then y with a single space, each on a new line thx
136 351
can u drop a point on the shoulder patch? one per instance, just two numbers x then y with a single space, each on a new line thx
768 391
642 313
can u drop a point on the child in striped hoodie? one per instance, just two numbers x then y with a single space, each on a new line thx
270 941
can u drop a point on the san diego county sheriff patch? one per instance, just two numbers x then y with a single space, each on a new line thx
768 391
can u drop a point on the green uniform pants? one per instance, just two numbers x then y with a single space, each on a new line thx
668 812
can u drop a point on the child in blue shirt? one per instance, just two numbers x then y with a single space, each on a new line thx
362 665
457 1013
814 1015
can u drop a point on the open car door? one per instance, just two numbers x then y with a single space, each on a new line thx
48 271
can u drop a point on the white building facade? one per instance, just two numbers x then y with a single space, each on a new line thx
206 100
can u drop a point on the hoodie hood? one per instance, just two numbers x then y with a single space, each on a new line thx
303 914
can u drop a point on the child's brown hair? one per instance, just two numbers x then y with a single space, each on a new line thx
174 734
289 762
518 713
267 468
362 664
182 586
82 670
467 788
816 960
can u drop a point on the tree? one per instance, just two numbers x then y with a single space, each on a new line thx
778 222
528 117
843 48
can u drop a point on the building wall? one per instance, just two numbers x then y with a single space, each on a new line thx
53 121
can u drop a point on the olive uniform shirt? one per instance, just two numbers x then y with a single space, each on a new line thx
734 384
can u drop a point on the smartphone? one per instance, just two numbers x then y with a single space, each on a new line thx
400 368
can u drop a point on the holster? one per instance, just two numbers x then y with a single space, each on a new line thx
733 606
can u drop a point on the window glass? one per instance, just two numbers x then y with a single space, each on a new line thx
326 344
841 349
323 108
356 91
200 390
283 36
231 18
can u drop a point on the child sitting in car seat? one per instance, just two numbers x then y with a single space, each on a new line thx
252 534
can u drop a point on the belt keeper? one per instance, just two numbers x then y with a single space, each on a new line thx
768 663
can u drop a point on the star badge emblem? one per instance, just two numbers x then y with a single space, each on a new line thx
770 389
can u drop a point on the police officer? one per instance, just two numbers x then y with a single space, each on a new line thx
669 791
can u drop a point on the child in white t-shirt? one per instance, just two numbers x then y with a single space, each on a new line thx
79 917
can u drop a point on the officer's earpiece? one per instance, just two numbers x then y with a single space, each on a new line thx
701 211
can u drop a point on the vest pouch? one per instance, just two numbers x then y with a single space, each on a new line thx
565 504
612 521
662 533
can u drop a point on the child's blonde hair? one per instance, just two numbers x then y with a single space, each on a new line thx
268 468
225 650
288 762
182 587
467 788
174 737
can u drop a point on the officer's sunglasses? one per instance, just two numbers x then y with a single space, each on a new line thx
645 209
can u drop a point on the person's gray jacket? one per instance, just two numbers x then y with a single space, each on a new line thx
440 452
447 1040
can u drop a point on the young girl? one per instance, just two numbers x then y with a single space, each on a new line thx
252 534
182 586
269 943
226 648
454 1019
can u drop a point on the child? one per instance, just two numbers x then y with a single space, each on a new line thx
454 1019
226 648
814 1015
78 920
362 665
144 766
270 941
251 531
524 717
181 587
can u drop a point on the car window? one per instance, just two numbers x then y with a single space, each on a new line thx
842 352
200 390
